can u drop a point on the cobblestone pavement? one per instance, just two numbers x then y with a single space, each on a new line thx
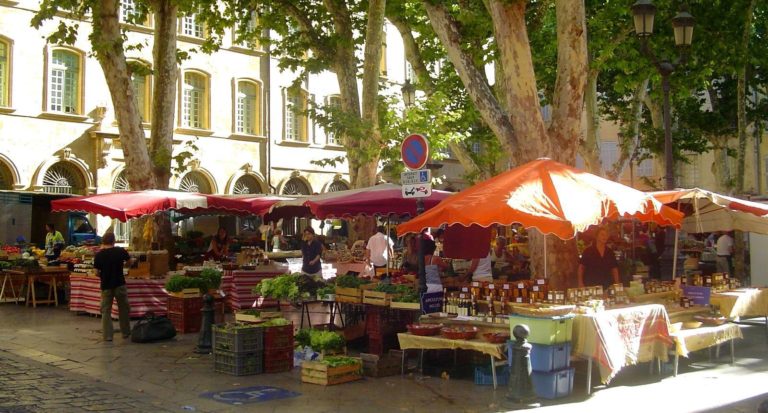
27 386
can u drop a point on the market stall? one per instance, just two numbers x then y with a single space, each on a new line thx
144 295
237 286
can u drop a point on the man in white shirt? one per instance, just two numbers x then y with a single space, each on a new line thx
379 248
724 249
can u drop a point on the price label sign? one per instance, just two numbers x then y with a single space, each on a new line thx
491 286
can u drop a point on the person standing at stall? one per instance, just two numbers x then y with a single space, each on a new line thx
311 250
54 241
724 249
109 266
379 248
598 264
219 248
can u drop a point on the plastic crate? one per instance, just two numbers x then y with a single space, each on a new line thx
546 358
238 340
178 305
237 364
554 384
278 337
484 377
186 323
276 361
545 330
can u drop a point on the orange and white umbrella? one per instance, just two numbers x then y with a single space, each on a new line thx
549 196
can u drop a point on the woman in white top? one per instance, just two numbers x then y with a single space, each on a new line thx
481 269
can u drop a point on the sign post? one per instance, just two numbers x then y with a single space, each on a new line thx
417 184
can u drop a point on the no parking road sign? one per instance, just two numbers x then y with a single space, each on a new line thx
415 151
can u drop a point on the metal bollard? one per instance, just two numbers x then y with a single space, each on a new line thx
204 340
520 390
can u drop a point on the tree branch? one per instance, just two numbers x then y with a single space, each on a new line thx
477 88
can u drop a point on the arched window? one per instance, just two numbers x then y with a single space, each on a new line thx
142 86
337 186
195 182
5 72
295 116
295 186
194 105
246 184
65 82
248 108
6 176
122 230
63 178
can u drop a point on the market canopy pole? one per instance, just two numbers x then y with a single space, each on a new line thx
417 183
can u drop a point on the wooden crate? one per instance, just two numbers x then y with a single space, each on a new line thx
186 293
376 298
349 295
319 373
405 306
263 316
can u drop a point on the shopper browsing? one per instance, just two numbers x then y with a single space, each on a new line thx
724 249
109 266
379 248
311 250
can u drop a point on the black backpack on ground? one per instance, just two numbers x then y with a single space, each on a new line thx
151 328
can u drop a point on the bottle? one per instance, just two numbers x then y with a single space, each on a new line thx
475 307
445 300
491 310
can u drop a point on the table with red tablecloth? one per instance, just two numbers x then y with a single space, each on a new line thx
237 286
144 295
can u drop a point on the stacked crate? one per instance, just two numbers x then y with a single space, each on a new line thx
382 325
550 338
278 348
185 313
238 350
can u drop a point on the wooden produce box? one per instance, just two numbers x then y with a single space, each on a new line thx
319 373
250 318
349 295
405 306
376 298
381 366
158 263
186 293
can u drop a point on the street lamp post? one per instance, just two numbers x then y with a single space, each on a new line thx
643 12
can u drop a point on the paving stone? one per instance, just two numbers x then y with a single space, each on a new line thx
28 388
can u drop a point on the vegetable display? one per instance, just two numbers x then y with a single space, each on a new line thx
327 290
392 289
289 287
283 287
412 296
320 340
212 276
275 322
350 281
177 283
338 361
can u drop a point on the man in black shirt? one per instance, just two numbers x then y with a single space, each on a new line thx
109 264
